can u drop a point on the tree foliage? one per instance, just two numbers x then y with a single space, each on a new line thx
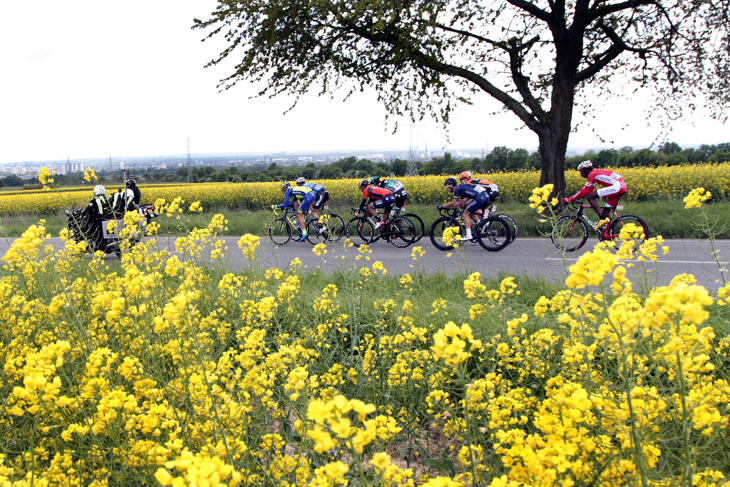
536 57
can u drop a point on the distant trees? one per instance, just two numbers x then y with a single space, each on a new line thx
500 159
669 154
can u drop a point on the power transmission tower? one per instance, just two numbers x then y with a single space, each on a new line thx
412 168
190 166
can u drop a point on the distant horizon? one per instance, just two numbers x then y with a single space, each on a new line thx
340 153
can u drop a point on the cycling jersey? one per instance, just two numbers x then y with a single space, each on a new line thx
477 194
468 191
321 197
392 185
397 188
380 197
485 183
296 193
613 186
314 186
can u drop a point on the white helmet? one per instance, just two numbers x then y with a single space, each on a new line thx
300 181
99 190
584 165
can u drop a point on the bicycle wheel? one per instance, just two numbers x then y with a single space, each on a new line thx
569 233
437 232
360 231
405 232
418 222
316 233
335 227
493 234
280 232
624 221
512 224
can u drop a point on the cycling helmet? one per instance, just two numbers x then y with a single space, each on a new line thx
450 182
465 175
300 181
585 165
374 180
99 190
363 183
131 183
284 185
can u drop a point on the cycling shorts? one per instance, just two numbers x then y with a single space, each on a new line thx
320 199
387 202
400 197
612 193
479 202
306 201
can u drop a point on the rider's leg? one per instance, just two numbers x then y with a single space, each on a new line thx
300 217
593 200
371 210
467 224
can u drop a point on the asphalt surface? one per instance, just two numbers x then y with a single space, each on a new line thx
525 256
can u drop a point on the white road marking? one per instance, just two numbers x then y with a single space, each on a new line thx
657 261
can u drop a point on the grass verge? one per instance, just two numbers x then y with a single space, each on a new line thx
664 217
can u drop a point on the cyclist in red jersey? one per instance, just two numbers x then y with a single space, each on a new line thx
613 188
378 197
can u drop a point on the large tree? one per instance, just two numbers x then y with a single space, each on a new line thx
538 58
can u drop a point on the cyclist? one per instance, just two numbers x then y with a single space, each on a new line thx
613 189
394 186
492 189
472 196
321 196
374 197
301 195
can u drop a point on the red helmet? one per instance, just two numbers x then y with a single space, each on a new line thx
465 175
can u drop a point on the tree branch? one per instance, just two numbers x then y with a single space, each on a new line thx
531 9
597 13
609 55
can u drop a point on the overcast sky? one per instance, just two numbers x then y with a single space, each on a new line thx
85 78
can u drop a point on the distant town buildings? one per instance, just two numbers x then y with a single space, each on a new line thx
70 167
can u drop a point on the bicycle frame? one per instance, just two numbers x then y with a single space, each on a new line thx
581 214
290 216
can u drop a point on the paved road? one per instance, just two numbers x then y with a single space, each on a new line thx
526 256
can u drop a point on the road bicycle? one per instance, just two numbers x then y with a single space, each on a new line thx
329 225
397 230
282 229
511 221
571 231
417 221
491 233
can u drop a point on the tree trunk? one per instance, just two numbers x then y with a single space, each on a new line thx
552 159
555 132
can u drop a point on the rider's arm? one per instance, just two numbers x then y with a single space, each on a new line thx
452 203
286 200
584 191
363 204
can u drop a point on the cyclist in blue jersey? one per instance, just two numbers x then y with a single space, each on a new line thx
301 195
472 196
321 195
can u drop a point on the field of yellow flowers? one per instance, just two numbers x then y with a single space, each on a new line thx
643 184
171 370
